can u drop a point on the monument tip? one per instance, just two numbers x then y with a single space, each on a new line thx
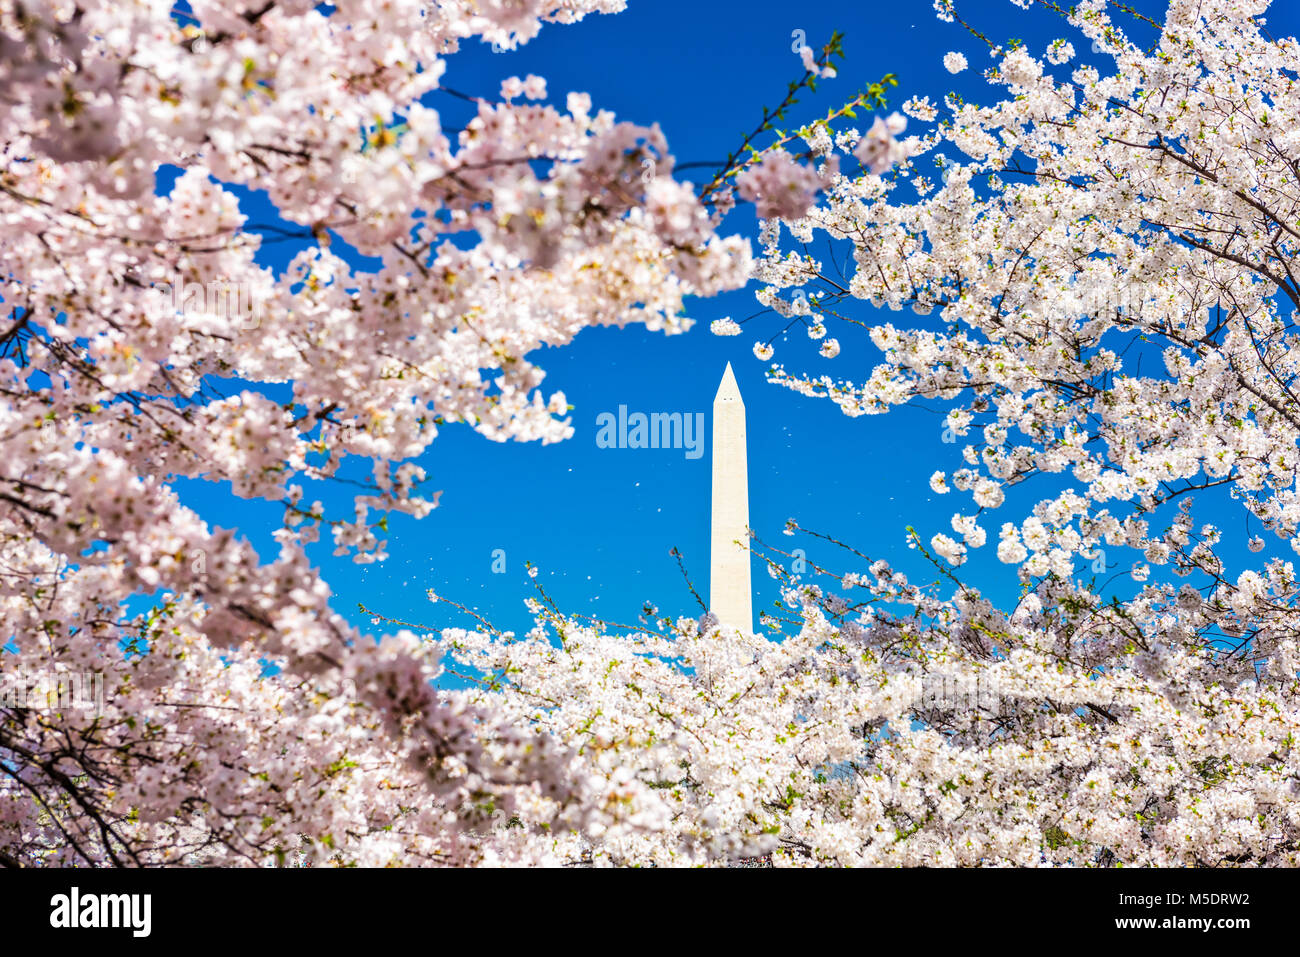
728 388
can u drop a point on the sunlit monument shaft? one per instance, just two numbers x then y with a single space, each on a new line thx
730 597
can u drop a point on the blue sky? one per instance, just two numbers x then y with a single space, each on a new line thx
600 522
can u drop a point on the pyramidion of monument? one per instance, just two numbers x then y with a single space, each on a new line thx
730 592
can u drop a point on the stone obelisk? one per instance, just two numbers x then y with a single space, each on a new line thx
730 596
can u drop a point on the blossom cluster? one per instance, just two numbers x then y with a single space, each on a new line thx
1100 287
1098 735
244 718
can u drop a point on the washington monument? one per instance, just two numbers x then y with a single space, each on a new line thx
730 595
